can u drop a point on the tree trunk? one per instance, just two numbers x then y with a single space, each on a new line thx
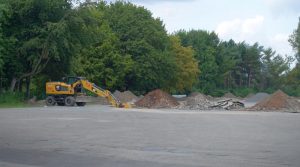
13 84
1 84
28 87
20 85
249 79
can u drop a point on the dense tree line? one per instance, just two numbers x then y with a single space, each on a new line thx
122 46
227 65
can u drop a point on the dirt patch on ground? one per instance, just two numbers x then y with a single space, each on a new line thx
157 99
278 101
125 97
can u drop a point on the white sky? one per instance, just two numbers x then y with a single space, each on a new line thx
269 22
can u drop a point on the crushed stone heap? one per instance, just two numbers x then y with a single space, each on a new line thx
157 99
196 101
278 101
254 99
126 96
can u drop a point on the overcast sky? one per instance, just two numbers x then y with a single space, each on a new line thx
269 22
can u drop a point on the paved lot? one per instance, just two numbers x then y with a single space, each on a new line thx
100 136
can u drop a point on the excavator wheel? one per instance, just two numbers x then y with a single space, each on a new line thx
70 101
80 103
50 101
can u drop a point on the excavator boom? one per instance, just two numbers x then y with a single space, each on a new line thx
101 92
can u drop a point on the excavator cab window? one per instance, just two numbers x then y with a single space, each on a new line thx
70 80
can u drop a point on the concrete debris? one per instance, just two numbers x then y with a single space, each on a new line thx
228 105
198 101
157 99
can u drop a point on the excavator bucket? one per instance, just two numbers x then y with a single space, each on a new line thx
125 105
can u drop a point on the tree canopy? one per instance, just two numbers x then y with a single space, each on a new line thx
121 46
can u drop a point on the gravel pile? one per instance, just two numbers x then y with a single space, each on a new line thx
278 101
196 101
157 99
125 97
251 101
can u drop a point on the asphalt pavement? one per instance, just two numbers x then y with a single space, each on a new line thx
102 136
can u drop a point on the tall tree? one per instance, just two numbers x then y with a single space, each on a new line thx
293 77
205 45
101 61
227 58
187 70
295 41
43 32
274 69
145 39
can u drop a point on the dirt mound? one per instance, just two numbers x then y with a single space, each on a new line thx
278 101
126 96
157 99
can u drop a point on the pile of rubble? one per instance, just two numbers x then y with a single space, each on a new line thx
198 101
229 104
125 97
157 99
195 101
278 101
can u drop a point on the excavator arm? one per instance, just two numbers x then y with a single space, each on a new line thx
103 93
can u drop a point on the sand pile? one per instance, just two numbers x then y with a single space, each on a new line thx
196 101
278 101
125 97
157 99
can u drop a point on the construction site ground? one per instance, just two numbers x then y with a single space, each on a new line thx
102 136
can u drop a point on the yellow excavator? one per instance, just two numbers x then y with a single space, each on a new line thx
73 90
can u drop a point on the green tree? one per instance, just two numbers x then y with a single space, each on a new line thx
293 77
295 41
44 31
145 39
187 70
227 58
102 62
205 45
274 69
